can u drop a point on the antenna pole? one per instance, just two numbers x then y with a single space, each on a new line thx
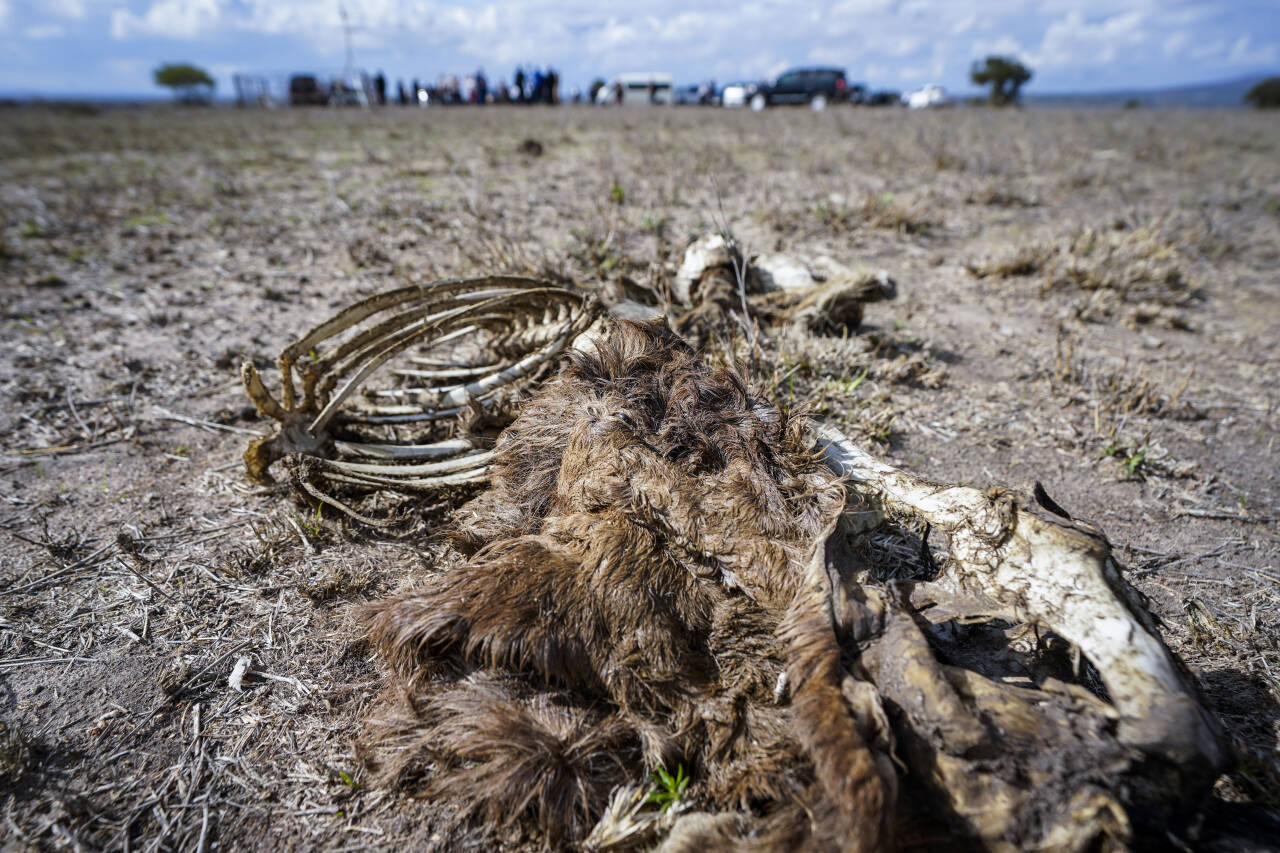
346 36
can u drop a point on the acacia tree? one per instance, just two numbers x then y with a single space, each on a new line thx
190 84
1004 74
1265 95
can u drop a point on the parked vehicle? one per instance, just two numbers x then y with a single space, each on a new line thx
688 95
349 93
929 96
307 91
817 87
638 87
738 94
884 98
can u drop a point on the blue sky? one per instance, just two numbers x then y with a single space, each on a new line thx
110 46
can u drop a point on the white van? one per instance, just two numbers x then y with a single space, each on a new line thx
639 88
929 96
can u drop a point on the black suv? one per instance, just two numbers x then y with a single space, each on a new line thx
305 90
816 87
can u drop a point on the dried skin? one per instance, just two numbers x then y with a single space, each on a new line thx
659 547
647 529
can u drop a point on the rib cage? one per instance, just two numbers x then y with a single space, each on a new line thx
381 381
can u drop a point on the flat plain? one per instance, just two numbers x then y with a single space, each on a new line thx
1086 299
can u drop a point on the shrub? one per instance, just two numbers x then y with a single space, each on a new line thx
1004 74
190 85
1265 95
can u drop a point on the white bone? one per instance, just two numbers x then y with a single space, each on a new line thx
1035 570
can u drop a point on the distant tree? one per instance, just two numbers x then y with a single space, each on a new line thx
190 85
1265 95
1004 74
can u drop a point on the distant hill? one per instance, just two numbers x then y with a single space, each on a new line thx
1225 93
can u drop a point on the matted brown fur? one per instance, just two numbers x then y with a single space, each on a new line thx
646 532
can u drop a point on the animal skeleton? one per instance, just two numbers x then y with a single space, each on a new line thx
461 343
884 684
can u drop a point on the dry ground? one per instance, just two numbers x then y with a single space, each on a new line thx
1088 299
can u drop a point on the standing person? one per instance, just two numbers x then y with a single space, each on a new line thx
539 84
401 95
553 86
519 81
482 87
380 87
414 92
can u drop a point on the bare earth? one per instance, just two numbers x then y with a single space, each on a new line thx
1086 299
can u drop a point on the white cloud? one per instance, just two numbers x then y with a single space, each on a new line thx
613 36
1209 49
1174 44
1072 39
938 67
1003 46
686 27
4 12
902 45
860 7
126 67
44 31
828 55
72 9
1243 53
182 19
777 68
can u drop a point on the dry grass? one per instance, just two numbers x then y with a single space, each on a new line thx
874 211
1138 273
145 251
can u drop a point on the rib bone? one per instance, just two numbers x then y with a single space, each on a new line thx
491 335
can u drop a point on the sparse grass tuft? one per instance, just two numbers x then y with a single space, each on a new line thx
1131 459
1112 389
1138 274
600 256
1119 265
874 210
1019 261
668 787
16 757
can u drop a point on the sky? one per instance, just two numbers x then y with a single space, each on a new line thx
110 47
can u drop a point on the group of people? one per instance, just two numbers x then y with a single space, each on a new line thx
534 87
